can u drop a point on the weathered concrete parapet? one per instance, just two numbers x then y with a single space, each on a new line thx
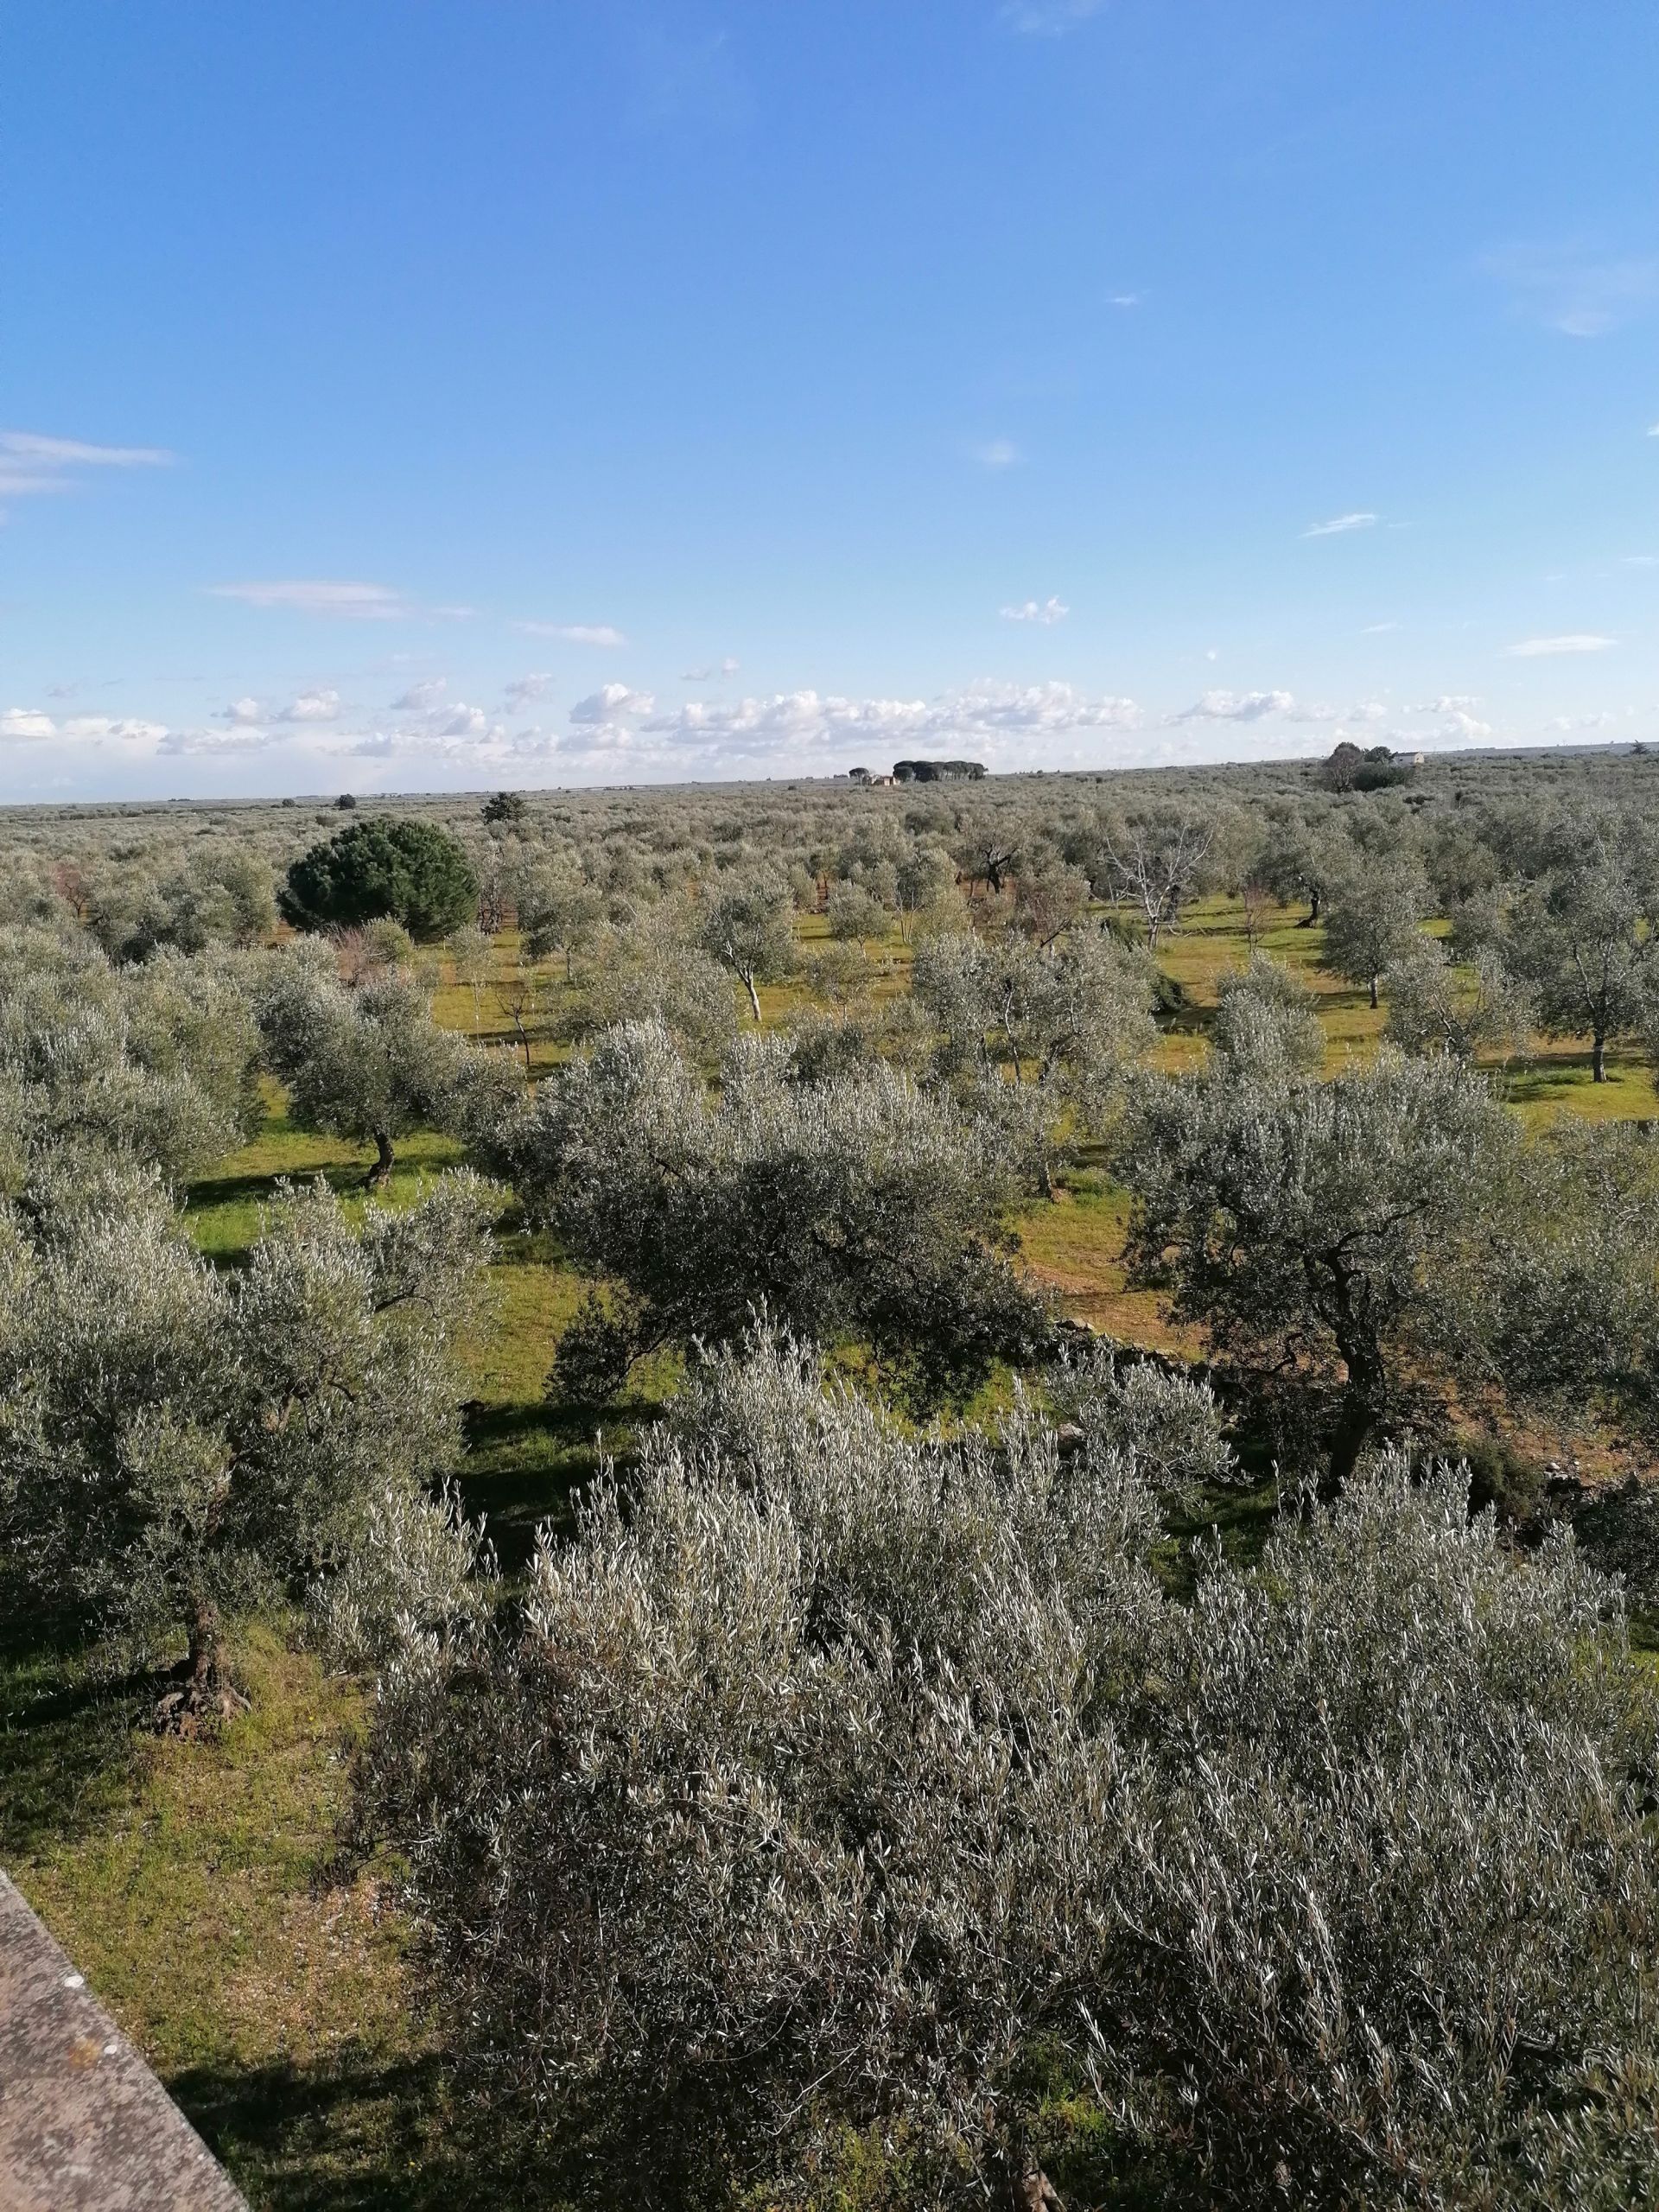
84 2125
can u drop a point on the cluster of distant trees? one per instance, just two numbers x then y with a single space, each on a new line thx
858 1787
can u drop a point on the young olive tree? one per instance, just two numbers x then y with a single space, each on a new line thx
747 928
856 1208
1437 1005
838 1788
177 1443
1376 905
371 1064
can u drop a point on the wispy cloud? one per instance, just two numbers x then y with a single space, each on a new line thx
352 603
996 453
574 633
1048 18
726 667
420 695
77 453
1031 610
1378 629
1124 299
1339 526
33 466
519 693
1575 641
1574 288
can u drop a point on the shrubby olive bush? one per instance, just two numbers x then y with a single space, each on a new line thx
370 1063
410 871
176 1442
834 1786
854 1207
1265 1021
155 1062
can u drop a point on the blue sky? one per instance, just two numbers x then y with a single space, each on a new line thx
452 393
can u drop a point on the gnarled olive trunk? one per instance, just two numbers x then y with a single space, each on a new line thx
380 1173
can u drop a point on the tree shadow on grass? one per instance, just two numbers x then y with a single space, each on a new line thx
66 1732
354 2132
525 1465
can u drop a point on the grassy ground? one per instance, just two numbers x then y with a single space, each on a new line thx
198 1884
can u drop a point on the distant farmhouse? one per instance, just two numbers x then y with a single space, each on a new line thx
921 772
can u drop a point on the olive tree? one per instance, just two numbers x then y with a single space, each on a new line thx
1376 905
1437 1004
1266 1021
1068 1021
1581 936
177 1442
857 1208
840 1790
371 1064
155 1062
747 928
1323 1234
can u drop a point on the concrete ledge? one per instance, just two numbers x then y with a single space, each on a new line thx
84 2125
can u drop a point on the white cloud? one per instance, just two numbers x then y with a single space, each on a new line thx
1031 610
574 633
726 667
1237 707
1576 289
987 713
353 602
1654 432
419 696
1378 629
1339 526
322 706
1048 18
461 721
1576 641
996 453
524 689
1568 724
243 712
26 722
1125 299
610 704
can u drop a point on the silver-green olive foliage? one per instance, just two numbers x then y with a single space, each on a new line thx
859 1207
155 1062
1581 935
1327 1236
176 1440
833 1781
370 1063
